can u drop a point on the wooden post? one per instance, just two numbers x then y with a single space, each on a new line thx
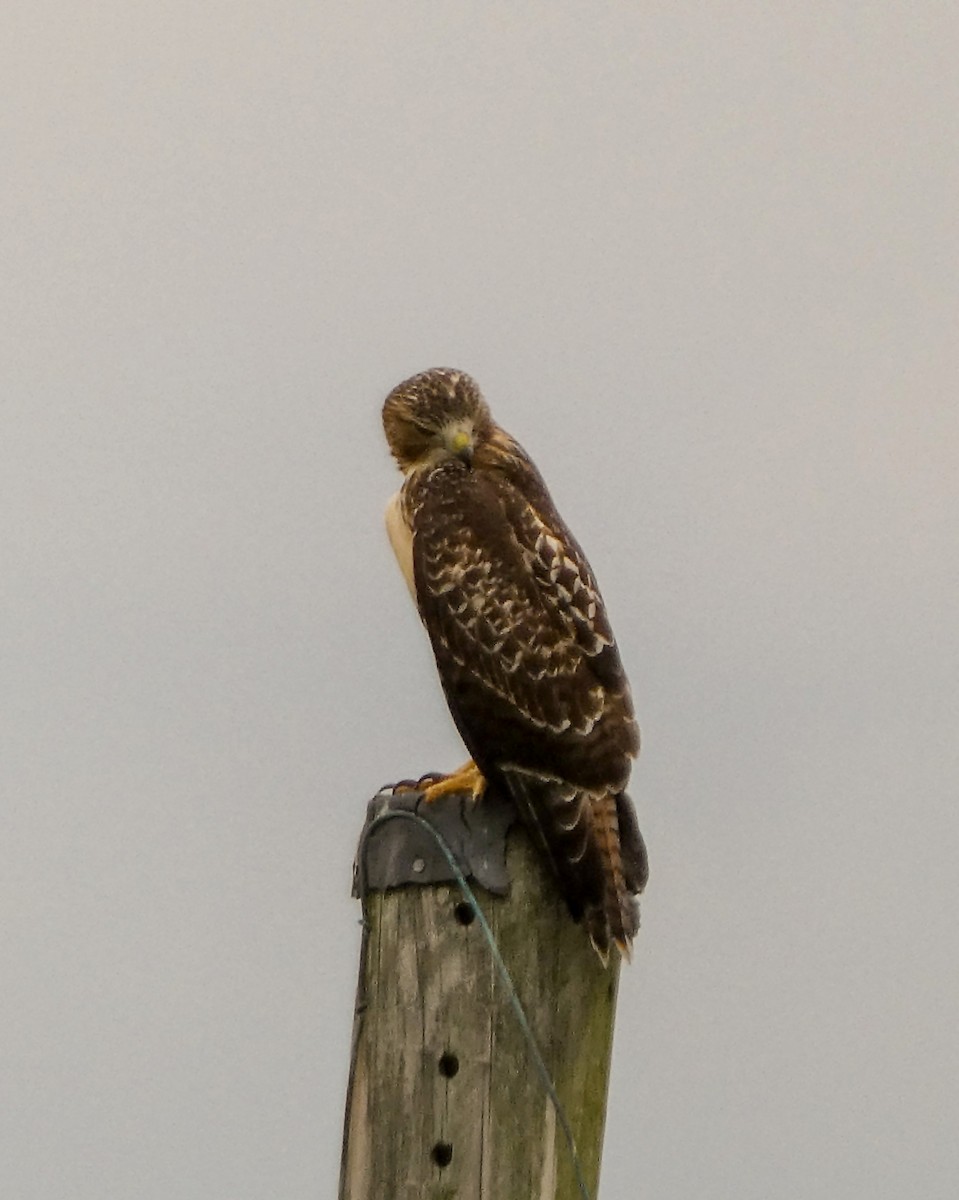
444 1101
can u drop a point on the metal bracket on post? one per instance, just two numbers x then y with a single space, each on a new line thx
397 853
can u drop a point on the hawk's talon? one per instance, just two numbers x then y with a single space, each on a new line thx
468 778
414 785
429 779
404 785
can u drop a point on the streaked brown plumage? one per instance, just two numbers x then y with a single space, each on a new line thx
524 649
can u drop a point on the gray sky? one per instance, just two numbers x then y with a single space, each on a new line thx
704 261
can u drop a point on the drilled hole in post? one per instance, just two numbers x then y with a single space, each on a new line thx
464 913
449 1064
442 1154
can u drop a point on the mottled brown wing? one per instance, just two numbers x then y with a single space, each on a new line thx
511 605
531 672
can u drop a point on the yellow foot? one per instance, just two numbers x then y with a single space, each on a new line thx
467 779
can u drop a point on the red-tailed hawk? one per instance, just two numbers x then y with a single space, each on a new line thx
524 649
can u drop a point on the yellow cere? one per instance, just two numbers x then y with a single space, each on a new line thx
461 439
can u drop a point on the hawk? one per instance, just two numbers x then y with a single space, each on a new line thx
522 643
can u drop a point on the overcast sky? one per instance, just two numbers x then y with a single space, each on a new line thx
704 261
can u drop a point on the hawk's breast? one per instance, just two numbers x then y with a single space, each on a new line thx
401 539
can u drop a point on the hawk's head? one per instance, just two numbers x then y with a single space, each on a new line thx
435 416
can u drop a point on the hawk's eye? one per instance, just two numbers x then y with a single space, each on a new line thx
425 430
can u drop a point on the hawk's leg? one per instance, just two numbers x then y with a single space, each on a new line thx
467 779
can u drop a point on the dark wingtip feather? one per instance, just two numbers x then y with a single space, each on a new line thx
616 924
632 845
599 940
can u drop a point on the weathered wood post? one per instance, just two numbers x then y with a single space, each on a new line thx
445 1101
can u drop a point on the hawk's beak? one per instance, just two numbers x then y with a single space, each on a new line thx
462 446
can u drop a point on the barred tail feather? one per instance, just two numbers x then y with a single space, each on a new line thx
616 917
592 842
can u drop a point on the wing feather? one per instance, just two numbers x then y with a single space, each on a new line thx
513 609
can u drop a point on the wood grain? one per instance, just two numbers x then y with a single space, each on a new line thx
445 1102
